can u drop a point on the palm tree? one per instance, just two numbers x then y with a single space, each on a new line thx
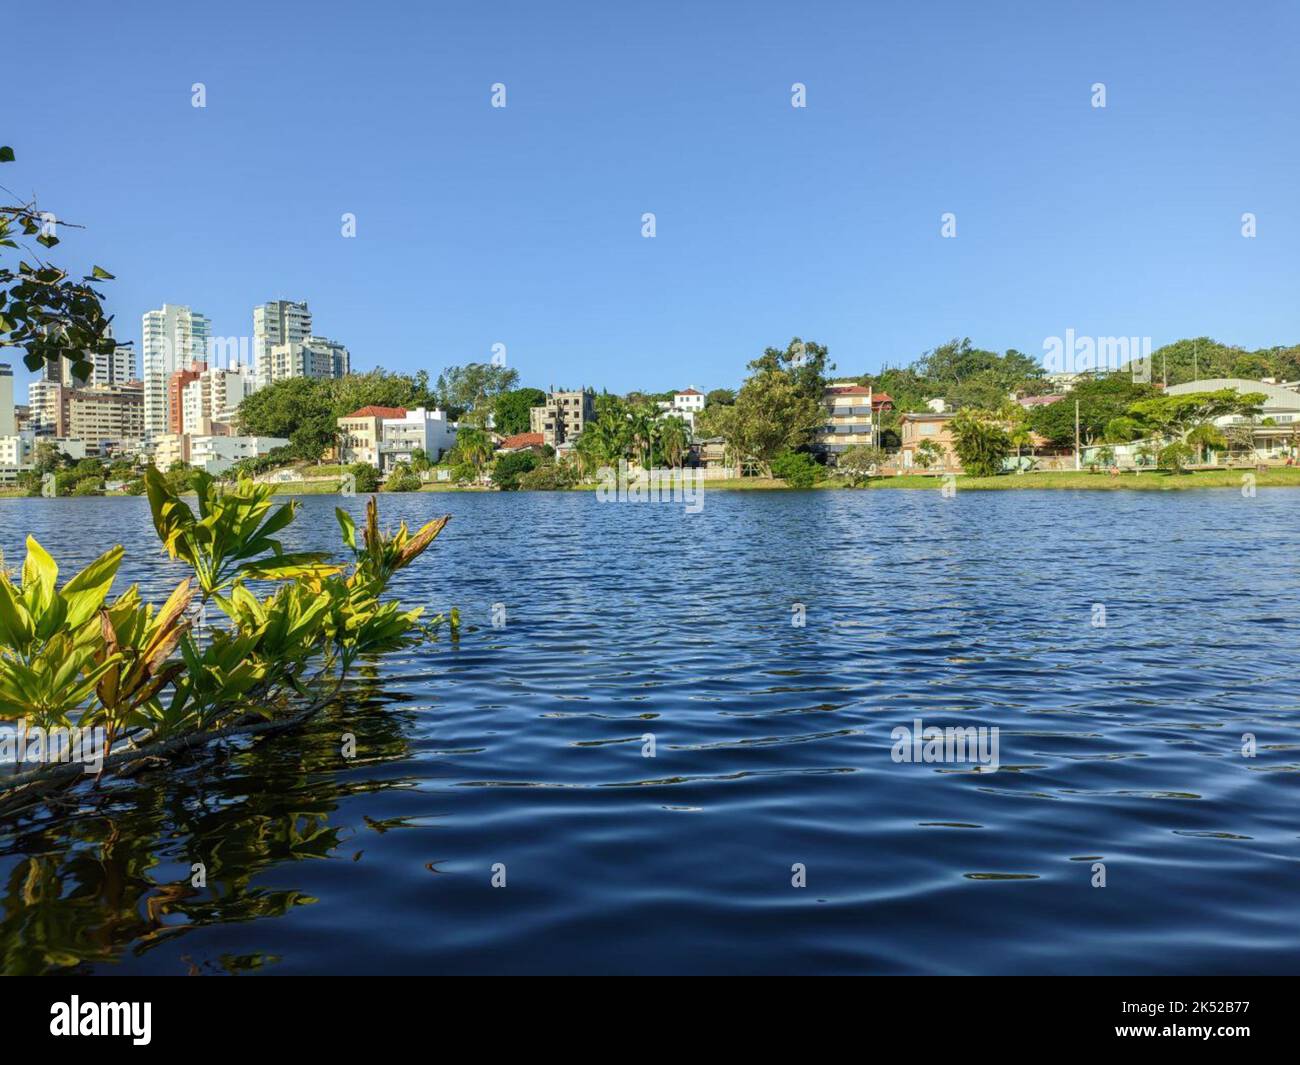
644 421
476 447
674 440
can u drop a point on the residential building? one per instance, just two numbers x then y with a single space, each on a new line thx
316 357
521 442
852 413
1276 429
688 399
384 436
274 324
96 414
116 367
171 338
563 417
361 431
214 396
176 386
424 430
914 429
169 449
8 422
15 452
216 454
103 415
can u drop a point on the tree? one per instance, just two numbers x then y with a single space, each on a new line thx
859 463
510 466
804 364
981 442
1101 400
474 446
1177 415
928 453
510 410
798 469
723 397
42 310
674 439
365 478
472 388
402 479
1173 457
772 413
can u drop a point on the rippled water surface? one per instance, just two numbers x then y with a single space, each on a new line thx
523 745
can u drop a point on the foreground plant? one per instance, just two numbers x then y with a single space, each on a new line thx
72 659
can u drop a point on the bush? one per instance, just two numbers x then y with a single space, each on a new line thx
860 463
798 469
550 477
88 486
403 479
1174 457
508 468
366 477
981 442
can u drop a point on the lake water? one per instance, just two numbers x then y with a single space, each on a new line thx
522 746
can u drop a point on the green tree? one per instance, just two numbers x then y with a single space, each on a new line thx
510 410
402 479
798 469
1101 400
860 463
981 442
365 477
773 413
674 439
468 392
509 467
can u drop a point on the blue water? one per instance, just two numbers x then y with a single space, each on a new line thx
523 745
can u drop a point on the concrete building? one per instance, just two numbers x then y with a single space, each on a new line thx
98 414
216 454
172 338
8 421
277 323
688 399
384 436
214 396
418 430
852 412
914 429
169 449
563 417
316 357
176 385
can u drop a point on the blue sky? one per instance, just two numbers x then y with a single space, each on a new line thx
522 225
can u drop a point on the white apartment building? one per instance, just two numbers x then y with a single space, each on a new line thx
315 357
418 430
216 454
215 395
688 399
172 339
276 323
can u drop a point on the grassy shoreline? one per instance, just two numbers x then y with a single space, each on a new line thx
1147 481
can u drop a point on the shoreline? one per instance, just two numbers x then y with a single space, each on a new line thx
1147 481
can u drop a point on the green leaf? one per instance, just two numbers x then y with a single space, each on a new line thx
6 154
86 591
348 526
40 571
288 567
100 274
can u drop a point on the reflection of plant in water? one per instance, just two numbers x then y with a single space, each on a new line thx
86 890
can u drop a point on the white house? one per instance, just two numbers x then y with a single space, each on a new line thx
216 454
424 430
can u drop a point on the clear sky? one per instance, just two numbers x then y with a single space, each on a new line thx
522 225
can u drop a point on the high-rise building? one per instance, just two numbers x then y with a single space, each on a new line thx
8 423
172 338
176 385
96 414
313 357
275 323
214 397
115 368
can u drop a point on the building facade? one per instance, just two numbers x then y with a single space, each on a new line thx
915 430
171 338
315 357
424 430
852 412
276 323
563 417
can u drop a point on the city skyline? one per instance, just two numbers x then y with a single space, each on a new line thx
522 225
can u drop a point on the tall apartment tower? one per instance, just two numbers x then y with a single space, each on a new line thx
8 423
115 368
172 339
277 323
